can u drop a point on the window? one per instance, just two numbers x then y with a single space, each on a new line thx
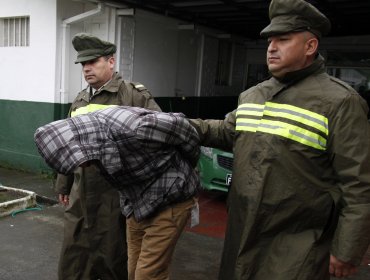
15 31
224 63
351 67
357 77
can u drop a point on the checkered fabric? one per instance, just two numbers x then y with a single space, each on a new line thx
147 155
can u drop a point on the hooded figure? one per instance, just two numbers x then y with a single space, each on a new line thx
136 149
149 157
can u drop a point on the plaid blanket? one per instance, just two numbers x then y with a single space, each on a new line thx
147 155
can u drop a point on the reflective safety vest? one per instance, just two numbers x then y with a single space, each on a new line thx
89 108
297 124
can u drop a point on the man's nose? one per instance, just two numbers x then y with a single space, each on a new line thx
271 46
86 68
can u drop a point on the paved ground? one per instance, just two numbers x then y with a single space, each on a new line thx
30 241
30 245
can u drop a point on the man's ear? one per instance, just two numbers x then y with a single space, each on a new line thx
112 61
312 45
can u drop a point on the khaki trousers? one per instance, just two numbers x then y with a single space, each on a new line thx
151 242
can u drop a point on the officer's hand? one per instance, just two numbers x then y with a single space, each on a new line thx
340 269
64 199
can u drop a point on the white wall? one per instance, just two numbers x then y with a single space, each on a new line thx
28 73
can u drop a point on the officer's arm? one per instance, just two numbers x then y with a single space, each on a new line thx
216 133
350 149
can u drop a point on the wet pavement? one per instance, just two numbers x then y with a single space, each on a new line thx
31 240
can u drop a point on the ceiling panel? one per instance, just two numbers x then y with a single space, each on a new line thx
248 17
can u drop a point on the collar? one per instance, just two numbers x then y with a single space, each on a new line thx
93 90
112 86
318 65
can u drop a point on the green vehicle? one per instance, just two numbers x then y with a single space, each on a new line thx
215 169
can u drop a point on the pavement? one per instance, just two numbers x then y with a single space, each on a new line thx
31 240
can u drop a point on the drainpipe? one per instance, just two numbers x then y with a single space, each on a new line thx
65 48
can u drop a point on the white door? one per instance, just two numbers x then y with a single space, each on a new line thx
125 53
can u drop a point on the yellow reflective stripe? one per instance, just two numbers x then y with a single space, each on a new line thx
251 105
89 109
283 129
246 124
297 114
293 132
250 109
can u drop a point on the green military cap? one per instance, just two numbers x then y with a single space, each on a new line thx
89 47
293 16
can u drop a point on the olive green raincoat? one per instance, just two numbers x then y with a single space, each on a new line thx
301 177
94 245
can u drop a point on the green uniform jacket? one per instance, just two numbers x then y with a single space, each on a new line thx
94 245
117 92
301 177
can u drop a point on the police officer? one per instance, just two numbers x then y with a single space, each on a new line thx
299 204
94 245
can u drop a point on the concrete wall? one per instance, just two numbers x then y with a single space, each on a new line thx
187 63
29 95
175 61
156 52
25 69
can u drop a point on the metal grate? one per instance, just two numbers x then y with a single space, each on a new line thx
15 32
225 162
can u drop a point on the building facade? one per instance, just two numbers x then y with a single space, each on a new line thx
190 68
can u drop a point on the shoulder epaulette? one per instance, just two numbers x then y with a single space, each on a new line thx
138 86
342 83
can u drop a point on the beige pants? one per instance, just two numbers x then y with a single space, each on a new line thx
151 242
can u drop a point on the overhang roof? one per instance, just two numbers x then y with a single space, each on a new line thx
248 17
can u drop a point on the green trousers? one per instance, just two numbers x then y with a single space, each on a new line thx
94 245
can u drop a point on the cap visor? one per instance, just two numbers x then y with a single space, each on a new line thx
86 58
